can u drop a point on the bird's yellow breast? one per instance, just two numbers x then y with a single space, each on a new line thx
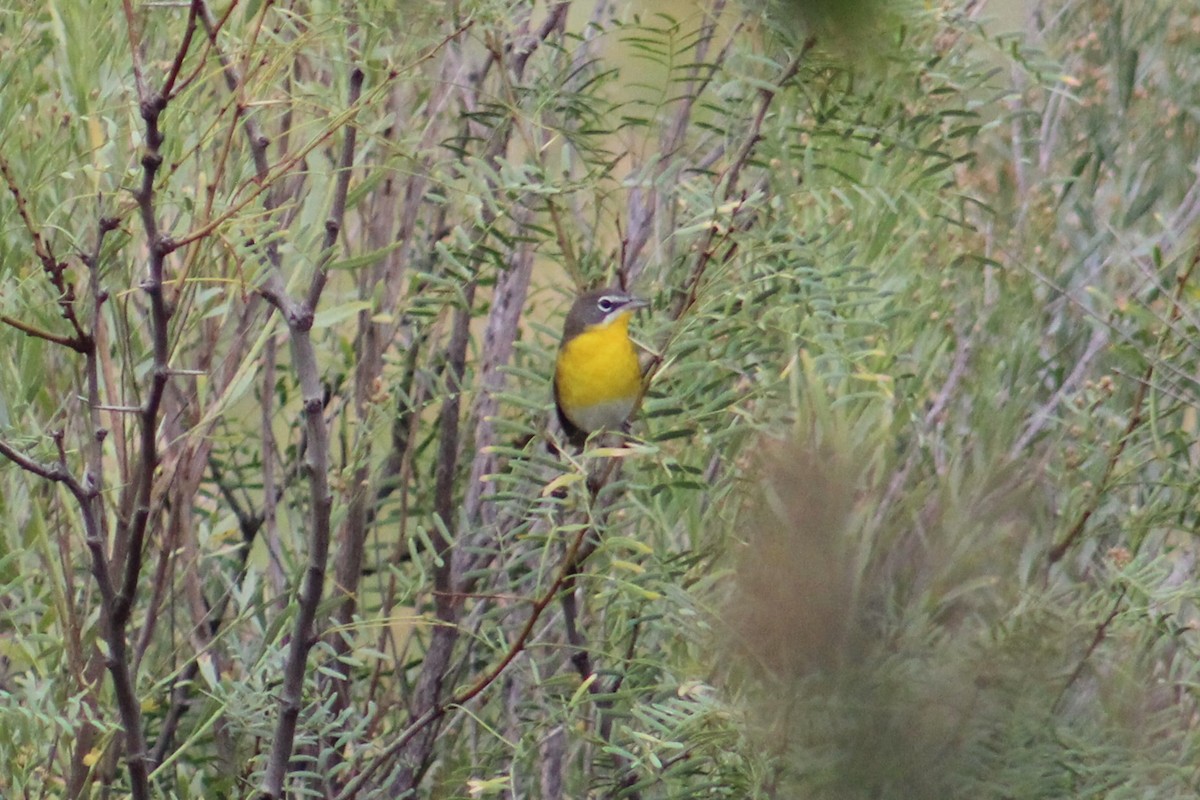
598 377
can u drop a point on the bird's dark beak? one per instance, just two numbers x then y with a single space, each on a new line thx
635 303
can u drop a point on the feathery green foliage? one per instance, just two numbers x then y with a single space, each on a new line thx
907 511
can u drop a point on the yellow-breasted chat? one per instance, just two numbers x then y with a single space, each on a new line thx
598 376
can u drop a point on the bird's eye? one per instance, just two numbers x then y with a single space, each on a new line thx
606 304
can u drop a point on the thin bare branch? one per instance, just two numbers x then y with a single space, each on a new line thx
438 710
55 271
1136 417
305 361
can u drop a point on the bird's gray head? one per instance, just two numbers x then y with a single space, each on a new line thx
599 307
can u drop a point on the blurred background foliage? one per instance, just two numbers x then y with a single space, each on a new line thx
909 507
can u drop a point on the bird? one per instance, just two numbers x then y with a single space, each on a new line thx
597 374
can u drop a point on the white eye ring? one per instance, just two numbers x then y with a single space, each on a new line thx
606 304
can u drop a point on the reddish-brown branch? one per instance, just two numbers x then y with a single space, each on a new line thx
729 188
168 89
719 242
37 333
55 271
40 248
569 565
1098 637
1136 416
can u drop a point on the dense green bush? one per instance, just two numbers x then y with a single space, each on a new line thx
908 510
